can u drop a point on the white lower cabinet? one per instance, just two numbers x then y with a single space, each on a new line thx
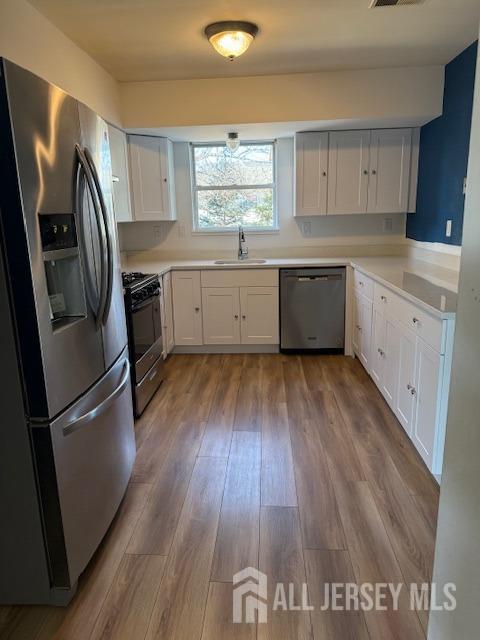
362 330
389 379
406 379
259 311
412 375
167 314
428 372
240 315
221 315
187 308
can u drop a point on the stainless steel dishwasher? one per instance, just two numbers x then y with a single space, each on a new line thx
312 309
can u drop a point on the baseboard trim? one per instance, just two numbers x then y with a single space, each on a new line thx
227 348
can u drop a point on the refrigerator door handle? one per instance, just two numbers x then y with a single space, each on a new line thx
107 294
78 423
85 167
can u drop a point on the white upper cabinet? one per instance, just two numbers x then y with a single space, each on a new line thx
311 173
351 172
348 172
152 178
388 184
120 175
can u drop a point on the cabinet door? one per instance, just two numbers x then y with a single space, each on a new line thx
366 338
259 315
390 155
187 307
389 382
348 171
168 337
406 379
311 168
378 347
357 325
221 315
428 367
120 175
151 167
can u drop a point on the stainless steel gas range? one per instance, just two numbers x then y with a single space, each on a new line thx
145 339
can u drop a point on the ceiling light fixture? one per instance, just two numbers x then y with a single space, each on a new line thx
233 141
231 38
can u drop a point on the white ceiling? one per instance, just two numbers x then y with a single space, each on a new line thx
160 39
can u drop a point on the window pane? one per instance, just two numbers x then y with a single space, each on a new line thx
249 165
229 208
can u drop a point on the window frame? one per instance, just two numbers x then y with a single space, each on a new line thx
196 228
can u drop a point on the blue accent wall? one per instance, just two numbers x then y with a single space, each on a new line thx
444 146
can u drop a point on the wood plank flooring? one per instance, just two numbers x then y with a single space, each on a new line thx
293 465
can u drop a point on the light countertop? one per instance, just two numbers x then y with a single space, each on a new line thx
433 287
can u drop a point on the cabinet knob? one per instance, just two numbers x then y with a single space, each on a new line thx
324 174
409 387
374 173
415 320
383 298
365 172
244 317
236 316
413 391
164 179
197 309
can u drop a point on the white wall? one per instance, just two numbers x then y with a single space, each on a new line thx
328 234
457 554
31 41
389 96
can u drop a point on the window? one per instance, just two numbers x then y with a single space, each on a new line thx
234 188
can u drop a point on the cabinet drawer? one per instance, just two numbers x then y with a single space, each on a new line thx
385 300
363 284
239 278
427 327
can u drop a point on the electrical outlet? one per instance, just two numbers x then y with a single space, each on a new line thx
448 230
387 224
307 228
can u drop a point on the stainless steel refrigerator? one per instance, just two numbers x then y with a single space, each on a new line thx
66 422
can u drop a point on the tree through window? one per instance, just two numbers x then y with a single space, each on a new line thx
234 188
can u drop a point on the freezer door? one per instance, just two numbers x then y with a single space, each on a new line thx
97 151
91 447
62 353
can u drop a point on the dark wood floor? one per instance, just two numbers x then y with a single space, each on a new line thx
292 464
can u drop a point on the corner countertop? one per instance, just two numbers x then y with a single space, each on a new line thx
431 286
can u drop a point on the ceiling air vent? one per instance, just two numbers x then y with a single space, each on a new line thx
393 3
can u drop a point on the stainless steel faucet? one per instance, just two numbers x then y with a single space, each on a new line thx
242 245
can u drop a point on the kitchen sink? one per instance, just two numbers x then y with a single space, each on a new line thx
246 261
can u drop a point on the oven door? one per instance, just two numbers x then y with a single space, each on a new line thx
147 335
